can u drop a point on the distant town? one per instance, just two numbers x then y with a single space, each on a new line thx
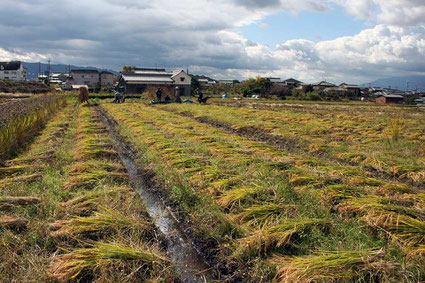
134 80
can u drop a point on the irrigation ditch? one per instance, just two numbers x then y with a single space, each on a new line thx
186 256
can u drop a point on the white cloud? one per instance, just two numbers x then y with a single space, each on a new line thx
201 34
393 12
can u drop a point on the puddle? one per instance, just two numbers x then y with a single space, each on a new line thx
189 264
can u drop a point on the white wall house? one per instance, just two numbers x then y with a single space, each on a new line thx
13 70
86 77
139 79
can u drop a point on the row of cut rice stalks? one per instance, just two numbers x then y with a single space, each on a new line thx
361 141
257 211
17 129
30 190
103 231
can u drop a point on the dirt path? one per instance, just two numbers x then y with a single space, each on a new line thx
189 264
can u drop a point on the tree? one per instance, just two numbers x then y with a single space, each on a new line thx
128 69
195 84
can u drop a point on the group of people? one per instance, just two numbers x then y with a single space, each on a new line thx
201 98
167 98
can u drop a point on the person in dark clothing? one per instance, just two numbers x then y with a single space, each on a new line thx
167 98
200 96
159 94
178 98
117 97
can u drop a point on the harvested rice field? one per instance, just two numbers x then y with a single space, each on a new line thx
215 193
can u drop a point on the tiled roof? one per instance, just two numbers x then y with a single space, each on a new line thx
10 66
146 78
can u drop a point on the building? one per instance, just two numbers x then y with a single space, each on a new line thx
322 85
206 83
226 82
87 77
106 79
13 70
58 78
389 98
274 80
292 82
138 80
350 90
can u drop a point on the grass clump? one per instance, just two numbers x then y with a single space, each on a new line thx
328 266
98 256
265 213
100 222
261 241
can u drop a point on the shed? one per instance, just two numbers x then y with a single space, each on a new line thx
389 98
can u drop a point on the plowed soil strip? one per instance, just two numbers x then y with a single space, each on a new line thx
189 264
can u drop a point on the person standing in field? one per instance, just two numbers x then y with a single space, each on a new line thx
159 94
178 98
200 95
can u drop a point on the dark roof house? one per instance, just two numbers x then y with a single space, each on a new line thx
292 81
10 66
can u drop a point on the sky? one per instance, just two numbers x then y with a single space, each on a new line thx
353 41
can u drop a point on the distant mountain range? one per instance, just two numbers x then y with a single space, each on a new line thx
415 82
33 69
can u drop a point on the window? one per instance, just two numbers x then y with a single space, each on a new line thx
82 76
13 73
182 79
6 72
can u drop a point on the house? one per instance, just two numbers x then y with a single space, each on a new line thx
13 70
139 79
389 98
205 83
322 85
350 90
83 77
106 79
274 80
292 82
226 82
58 78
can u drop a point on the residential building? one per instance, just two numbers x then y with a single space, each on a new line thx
389 98
106 79
83 77
140 79
322 85
292 82
274 80
226 82
13 70
350 90
205 83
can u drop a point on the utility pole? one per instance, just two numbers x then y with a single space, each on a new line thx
48 70
407 86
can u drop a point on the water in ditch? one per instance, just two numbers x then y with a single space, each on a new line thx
189 264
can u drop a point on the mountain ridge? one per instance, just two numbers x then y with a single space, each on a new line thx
415 82
33 69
